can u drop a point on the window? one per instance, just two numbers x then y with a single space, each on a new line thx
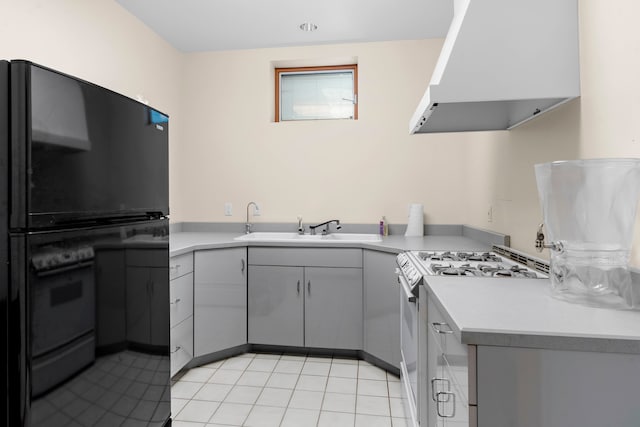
317 93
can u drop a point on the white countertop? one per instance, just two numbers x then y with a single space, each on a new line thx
183 242
523 313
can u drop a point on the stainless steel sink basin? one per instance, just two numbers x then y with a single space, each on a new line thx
276 236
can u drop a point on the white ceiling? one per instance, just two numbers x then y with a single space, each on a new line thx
203 25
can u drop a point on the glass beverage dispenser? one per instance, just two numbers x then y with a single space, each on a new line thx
589 210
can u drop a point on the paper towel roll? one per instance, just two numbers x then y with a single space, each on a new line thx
415 225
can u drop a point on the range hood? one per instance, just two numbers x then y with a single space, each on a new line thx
503 63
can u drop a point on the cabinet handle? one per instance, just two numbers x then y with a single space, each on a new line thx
434 380
242 265
298 287
444 397
176 350
175 267
309 287
437 327
175 301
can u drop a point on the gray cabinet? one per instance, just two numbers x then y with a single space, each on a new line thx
181 310
522 387
333 307
450 390
381 307
220 299
276 310
305 297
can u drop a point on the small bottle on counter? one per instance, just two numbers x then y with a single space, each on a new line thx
381 230
385 226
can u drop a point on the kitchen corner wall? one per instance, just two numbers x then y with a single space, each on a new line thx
101 42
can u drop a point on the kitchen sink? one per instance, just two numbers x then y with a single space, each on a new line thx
266 236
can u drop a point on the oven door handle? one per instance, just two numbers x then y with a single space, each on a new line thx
406 288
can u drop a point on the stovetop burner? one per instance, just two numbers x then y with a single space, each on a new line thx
459 256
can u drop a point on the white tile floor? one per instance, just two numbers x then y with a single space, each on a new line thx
282 390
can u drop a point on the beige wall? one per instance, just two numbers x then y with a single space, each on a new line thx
355 171
226 148
100 42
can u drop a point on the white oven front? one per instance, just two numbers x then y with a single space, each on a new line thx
409 349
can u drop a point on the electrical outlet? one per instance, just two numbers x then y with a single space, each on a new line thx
490 214
256 209
228 209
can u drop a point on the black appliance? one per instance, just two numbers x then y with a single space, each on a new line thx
84 253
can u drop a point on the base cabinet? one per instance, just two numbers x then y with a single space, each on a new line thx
523 387
220 299
381 308
316 304
498 386
181 310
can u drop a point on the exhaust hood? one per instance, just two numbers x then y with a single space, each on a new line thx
503 63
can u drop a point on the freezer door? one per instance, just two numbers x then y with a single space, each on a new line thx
82 153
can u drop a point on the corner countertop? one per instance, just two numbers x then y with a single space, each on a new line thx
183 242
523 313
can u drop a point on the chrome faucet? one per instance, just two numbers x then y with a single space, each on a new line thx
247 224
312 228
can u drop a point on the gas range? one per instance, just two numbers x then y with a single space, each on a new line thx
500 262
475 264
414 267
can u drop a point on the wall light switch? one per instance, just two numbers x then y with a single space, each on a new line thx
228 209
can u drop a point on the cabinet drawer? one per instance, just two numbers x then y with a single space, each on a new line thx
181 345
308 257
148 257
181 298
180 265
453 355
454 351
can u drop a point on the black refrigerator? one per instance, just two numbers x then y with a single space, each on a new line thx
84 253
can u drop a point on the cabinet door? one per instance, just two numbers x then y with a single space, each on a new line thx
181 298
449 362
181 345
435 372
220 300
381 308
523 387
333 307
275 298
